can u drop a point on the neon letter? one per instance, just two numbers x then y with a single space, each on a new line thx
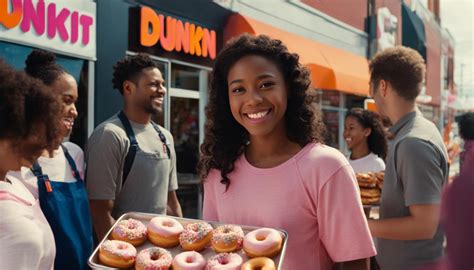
209 43
35 17
13 19
86 22
56 22
182 36
195 36
168 41
149 18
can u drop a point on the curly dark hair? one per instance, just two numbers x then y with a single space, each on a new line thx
225 139
42 65
377 141
466 126
129 67
27 107
402 67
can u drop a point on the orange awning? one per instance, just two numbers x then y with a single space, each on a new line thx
331 68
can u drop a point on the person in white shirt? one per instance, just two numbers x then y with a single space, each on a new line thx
29 113
366 139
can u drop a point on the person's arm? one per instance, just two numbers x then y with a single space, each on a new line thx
174 208
361 264
421 224
104 153
421 169
101 211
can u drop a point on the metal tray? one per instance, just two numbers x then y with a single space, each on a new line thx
207 253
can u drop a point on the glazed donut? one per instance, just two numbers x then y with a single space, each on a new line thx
189 260
264 242
131 231
164 231
153 258
227 238
227 261
196 236
117 253
260 263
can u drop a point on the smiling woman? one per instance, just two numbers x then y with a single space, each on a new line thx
263 144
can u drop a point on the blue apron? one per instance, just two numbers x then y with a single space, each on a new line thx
66 207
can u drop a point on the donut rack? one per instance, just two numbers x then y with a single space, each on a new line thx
94 262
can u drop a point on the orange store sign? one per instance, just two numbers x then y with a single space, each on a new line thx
175 35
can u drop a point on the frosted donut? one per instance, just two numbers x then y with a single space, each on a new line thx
117 253
227 238
153 258
260 263
196 236
264 242
131 231
227 261
189 260
164 231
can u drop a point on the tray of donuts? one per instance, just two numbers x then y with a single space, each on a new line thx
370 185
149 241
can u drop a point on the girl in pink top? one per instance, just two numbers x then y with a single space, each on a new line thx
28 116
263 164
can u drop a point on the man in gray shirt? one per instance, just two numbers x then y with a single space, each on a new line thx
131 163
408 232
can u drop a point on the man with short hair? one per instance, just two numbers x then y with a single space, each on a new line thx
408 232
131 162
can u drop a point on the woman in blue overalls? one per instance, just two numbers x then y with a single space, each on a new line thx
57 179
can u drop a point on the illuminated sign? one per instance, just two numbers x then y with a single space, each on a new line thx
175 35
51 25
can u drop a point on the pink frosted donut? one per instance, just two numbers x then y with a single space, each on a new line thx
164 231
227 261
264 242
153 258
227 238
189 260
131 231
196 236
117 253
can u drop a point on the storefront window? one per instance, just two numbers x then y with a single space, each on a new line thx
184 77
330 98
185 130
331 120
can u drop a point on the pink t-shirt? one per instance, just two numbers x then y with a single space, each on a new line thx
313 196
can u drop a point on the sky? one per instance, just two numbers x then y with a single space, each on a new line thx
458 17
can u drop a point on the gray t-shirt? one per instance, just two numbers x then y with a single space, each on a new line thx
416 170
152 174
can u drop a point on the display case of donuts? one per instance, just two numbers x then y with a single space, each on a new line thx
150 241
370 185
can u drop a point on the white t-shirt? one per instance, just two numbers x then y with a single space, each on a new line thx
369 163
26 239
57 168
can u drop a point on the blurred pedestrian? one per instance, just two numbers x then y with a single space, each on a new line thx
466 130
57 178
365 138
29 113
408 232
131 162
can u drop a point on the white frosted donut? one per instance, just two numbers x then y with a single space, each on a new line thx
189 260
164 231
264 242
